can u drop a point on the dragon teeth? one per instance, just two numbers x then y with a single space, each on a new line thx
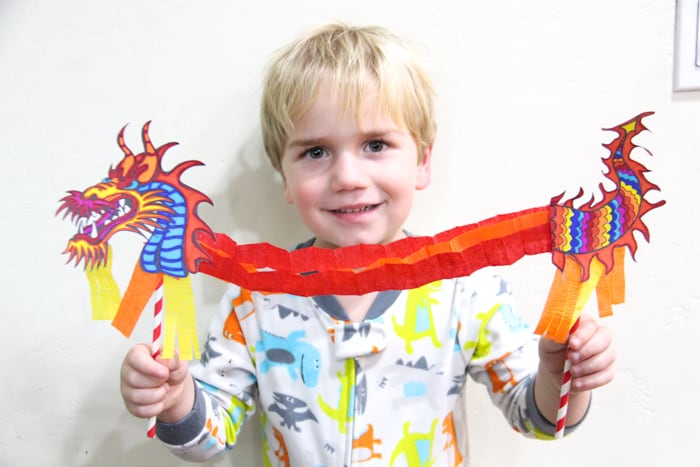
87 225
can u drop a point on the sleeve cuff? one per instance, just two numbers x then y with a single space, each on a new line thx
189 427
539 421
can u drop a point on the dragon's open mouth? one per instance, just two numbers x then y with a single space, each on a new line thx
100 223
97 219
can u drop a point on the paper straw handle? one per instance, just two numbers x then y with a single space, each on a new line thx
564 392
156 346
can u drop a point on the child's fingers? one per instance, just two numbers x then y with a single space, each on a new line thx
179 369
138 380
587 328
145 403
597 362
140 370
172 363
598 343
593 365
592 374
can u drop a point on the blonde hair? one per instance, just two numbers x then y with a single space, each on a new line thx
354 61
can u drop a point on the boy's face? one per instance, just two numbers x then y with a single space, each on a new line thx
352 181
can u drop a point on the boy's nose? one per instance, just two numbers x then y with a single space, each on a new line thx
349 173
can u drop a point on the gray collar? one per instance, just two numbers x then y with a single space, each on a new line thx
332 306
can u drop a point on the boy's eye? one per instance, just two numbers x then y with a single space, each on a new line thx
315 153
376 146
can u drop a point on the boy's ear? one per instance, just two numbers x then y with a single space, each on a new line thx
423 175
287 195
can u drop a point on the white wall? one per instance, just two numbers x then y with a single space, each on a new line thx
524 88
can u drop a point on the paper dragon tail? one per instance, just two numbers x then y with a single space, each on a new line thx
589 241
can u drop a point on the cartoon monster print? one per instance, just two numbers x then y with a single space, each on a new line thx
361 329
292 410
408 380
208 353
363 446
482 347
285 312
513 320
418 319
232 329
343 413
500 373
281 452
361 392
301 359
417 448
214 437
458 383
448 429
242 307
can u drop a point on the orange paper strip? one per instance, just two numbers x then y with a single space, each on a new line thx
138 292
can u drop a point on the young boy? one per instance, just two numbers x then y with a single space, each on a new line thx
347 117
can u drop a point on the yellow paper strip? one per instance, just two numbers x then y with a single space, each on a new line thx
104 291
180 319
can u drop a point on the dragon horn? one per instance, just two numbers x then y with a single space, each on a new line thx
122 143
147 144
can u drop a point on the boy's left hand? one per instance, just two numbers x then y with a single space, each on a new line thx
590 351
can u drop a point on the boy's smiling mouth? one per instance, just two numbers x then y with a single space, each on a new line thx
355 210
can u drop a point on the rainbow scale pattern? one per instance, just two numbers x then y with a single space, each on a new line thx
579 230
595 229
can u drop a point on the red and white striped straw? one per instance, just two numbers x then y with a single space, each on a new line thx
156 346
564 393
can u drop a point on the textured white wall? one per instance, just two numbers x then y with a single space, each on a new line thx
524 88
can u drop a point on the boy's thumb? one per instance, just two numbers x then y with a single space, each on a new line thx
175 364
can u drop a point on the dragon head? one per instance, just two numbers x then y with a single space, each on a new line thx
136 196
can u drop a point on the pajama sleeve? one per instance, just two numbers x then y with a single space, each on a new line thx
225 391
503 353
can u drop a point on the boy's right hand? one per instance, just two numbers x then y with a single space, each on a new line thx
156 387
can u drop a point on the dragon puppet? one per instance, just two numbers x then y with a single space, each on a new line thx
139 196
587 243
